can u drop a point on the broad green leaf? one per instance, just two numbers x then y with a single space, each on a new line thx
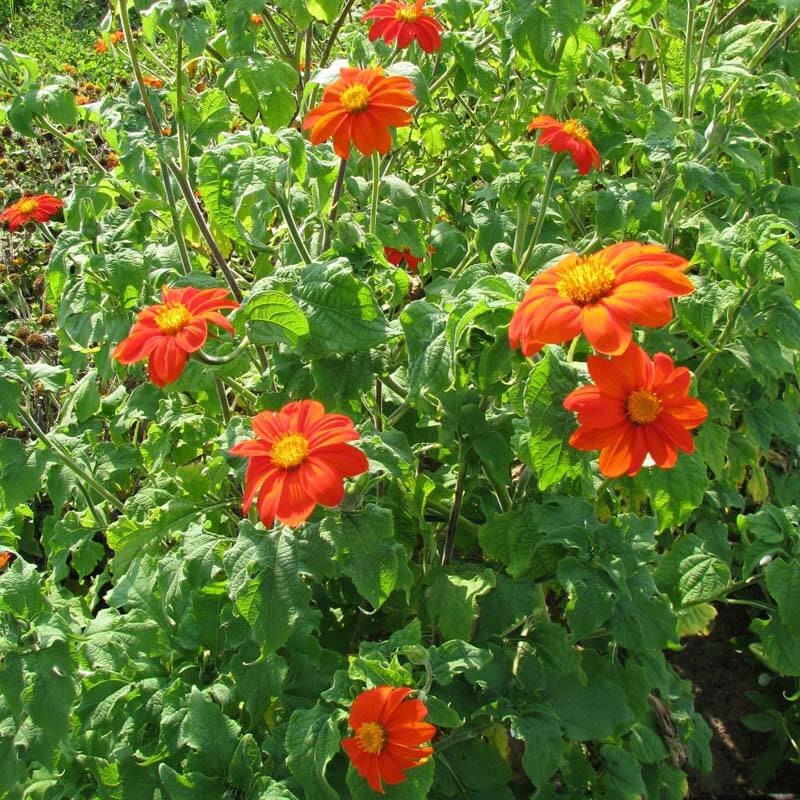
550 424
275 318
429 355
208 731
783 583
312 740
368 553
452 599
343 315
265 584
674 493
704 577
544 744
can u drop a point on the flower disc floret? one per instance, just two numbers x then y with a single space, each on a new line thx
360 108
405 23
299 458
390 736
173 317
601 296
637 408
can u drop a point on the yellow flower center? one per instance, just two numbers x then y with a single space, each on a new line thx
643 406
173 317
355 98
574 129
371 737
28 205
587 281
290 451
406 14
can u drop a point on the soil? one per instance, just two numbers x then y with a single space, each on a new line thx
722 671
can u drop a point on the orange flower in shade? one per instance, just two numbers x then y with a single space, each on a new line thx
390 736
152 82
6 559
256 19
100 46
397 257
299 458
636 408
601 295
570 137
117 36
360 107
405 22
166 333
31 208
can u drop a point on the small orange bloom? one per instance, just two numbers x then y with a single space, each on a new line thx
116 37
152 82
166 131
636 408
112 161
166 333
256 19
6 559
100 46
396 257
390 736
405 22
601 295
31 208
69 69
82 99
299 458
570 137
360 107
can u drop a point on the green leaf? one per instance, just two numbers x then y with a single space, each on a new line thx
550 424
343 315
208 731
778 647
783 583
544 744
674 493
703 577
261 86
452 599
275 318
454 657
312 740
623 777
368 553
265 583
429 355
20 591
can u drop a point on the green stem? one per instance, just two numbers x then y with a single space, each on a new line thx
69 461
551 86
223 400
555 163
291 224
376 190
335 32
183 145
218 360
337 194
687 58
394 386
572 347
500 490
523 217
699 60
723 337
455 511
277 36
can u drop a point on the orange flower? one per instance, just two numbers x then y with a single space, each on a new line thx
601 295
100 46
390 736
396 257
69 69
256 19
637 408
6 559
152 82
405 22
117 37
360 107
111 161
570 137
166 333
31 208
299 458
82 99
